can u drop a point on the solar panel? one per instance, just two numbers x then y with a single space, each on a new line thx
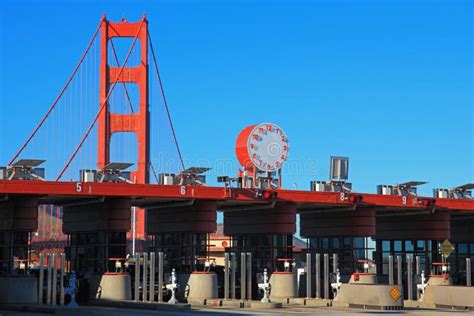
467 186
28 163
195 170
118 166
412 183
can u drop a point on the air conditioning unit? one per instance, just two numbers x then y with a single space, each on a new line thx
385 189
441 193
167 179
319 186
88 175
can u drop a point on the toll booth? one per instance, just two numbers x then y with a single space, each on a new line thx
18 219
181 230
425 231
347 232
265 233
97 231
462 238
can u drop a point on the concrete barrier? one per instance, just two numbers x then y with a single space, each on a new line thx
18 290
197 286
283 286
446 296
111 286
370 296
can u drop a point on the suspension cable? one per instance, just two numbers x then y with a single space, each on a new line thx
154 173
59 96
165 103
103 104
152 168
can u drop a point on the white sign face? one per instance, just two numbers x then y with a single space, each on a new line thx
267 147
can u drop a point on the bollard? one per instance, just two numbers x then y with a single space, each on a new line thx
41 279
390 270
243 275
160 277
318 275
468 272
308 275
48 281
265 287
152 277
335 262
61 279
233 275
410 277
226 276
249 275
326 276
137 277
145 278
173 286
54 281
417 268
399 271
418 272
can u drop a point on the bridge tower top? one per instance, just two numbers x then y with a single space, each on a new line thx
138 122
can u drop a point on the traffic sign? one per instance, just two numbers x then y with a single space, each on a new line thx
446 248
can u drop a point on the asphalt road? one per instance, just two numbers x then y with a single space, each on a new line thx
111 311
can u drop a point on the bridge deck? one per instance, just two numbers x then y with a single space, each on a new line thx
144 194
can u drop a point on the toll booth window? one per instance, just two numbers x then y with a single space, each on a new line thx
420 245
348 250
409 247
397 246
386 245
462 248
325 243
347 242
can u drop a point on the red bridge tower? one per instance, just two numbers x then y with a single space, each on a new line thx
139 122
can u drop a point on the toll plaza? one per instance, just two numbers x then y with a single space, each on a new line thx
388 250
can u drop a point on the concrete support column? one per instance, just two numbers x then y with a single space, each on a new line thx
41 279
410 277
49 278
418 272
308 275
152 277
468 272
233 275
243 275
61 280
226 276
54 280
160 277
399 271
249 275
318 275
145 278
137 278
390 270
326 276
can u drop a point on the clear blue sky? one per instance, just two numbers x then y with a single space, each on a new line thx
387 83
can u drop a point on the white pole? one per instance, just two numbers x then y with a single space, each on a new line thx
134 228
